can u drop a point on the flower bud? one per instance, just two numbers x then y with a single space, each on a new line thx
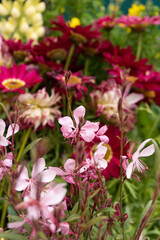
23 27
3 11
16 36
15 12
40 7
37 18
31 34
40 31
29 11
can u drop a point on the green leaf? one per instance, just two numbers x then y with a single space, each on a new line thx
93 194
74 209
105 210
30 146
91 222
42 236
72 218
12 235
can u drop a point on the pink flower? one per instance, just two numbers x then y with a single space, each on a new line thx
38 175
12 129
86 131
69 168
97 160
136 162
101 134
5 164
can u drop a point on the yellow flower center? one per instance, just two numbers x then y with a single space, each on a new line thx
132 79
13 83
73 80
109 153
75 22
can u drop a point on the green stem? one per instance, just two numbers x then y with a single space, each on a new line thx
139 46
86 65
23 144
68 61
4 210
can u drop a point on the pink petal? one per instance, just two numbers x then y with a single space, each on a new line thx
46 176
147 151
66 121
69 165
67 131
79 113
69 179
58 171
38 167
134 98
7 162
84 168
10 129
3 141
102 164
102 130
88 136
129 170
104 139
91 126
2 127
16 224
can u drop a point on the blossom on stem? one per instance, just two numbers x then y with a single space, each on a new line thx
71 130
5 164
12 129
136 161
38 175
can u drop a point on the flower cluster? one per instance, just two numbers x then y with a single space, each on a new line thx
22 19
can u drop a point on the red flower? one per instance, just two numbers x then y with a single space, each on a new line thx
53 48
106 22
18 49
113 153
138 24
79 34
16 78
77 83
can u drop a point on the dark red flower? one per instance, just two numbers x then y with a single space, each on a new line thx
79 34
106 22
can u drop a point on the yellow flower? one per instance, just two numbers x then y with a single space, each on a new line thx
136 10
75 22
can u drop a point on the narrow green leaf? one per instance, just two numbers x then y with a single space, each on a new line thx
91 222
42 236
12 235
74 209
31 145
93 194
72 218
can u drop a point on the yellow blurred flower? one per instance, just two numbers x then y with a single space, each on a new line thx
136 10
75 22
113 7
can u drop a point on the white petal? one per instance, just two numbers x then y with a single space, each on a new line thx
79 112
38 167
147 151
46 176
10 129
129 170
2 127
66 121
69 165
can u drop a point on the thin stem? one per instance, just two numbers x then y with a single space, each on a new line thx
71 50
149 212
23 144
121 160
139 46
4 210
86 65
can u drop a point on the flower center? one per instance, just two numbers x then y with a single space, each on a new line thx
109 153
77 38
73 80
13 83
57 54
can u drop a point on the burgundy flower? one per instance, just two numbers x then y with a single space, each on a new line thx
78 35
106 22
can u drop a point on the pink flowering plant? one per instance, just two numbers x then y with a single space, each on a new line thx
79 121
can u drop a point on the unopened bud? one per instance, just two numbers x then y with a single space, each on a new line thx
3 11
15 12
29 11
23 25
40 7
